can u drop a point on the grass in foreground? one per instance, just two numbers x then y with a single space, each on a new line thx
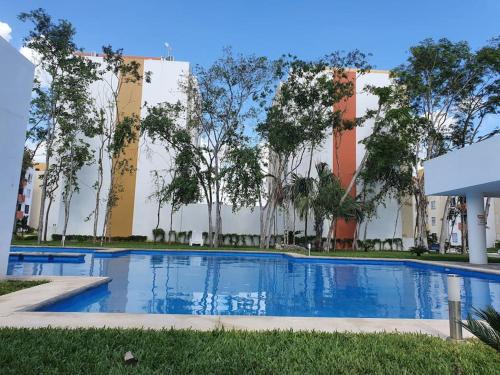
337 253
9 286
100 351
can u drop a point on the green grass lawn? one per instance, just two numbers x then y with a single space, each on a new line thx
337 253
101 351
9 286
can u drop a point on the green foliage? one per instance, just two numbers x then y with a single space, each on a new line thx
81 238
322 195
497 245
10 286
159 233
100 351
418 250
487 329
243 176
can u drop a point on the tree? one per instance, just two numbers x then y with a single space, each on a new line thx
54 45
305 110
243 176
322 196
312 93
224 102
114 131
451 90
391 161
159 195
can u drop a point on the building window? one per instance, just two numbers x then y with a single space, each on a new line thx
27 209
29 177
433 221
433 205
28 193
454 237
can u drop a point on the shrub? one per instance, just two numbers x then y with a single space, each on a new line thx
497 245
172 236
158 234
487 329
367 245
398 243
419 250
28 237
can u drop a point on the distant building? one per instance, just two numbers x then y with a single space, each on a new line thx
135 213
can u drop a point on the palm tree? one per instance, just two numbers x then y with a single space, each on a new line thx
321 196
487 329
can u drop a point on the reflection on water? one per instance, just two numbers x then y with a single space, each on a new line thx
249 285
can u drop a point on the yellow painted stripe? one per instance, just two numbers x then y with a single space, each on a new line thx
122 215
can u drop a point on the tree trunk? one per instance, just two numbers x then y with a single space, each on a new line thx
210 226
66 220
307 208
396 225
47 219
333 224
443 235
158 209
43 197
318 227
100 178
217 202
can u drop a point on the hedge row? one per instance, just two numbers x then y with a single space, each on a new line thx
80 238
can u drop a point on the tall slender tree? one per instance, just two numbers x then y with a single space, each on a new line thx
224 101
53 101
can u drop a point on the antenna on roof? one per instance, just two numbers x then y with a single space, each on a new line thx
169 52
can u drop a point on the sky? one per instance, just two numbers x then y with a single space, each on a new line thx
198 30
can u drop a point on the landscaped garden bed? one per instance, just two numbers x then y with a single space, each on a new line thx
336 253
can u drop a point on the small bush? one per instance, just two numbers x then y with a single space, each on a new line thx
418 250
497 245
158 234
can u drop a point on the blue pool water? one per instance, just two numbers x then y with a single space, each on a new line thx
218 283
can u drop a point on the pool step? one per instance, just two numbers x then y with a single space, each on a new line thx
47 257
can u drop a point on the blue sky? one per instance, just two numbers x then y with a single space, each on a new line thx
198 30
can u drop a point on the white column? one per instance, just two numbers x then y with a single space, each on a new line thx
476 228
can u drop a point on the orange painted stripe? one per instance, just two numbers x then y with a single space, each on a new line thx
344 155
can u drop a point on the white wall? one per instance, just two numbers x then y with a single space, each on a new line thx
387 222
16 81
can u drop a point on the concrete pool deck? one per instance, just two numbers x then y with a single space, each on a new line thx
17 309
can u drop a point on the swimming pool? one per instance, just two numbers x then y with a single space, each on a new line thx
235 283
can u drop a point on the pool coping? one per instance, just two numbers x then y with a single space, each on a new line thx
15 312
488 268
57 289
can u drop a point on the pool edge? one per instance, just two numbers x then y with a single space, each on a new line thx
445 264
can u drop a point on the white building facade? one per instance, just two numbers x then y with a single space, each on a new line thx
135 213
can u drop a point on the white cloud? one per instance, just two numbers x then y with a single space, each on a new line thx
5 31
